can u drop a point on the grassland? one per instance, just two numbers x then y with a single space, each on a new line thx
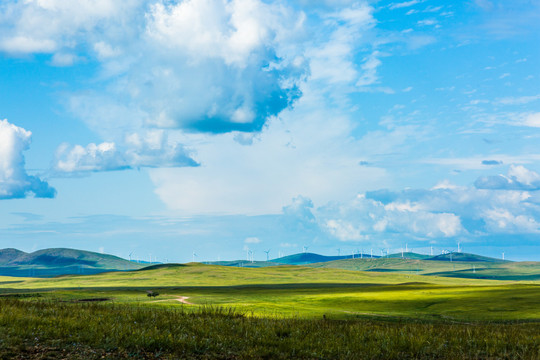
278 312
495 270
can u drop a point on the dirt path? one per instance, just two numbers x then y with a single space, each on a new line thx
182 299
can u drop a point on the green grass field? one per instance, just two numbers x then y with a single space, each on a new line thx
457 312
457 269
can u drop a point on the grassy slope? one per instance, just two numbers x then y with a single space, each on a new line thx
302 291
309 258
461 256
459 269
408 255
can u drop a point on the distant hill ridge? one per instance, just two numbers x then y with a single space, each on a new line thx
8 255
311 258
59 261
64 261
460 256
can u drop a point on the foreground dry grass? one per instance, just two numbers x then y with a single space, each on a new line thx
44 329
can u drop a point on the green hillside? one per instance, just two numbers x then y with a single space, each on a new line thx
244 263
475 269
408 255
455 256
53 262
310 258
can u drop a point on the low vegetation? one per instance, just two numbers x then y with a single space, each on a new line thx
47 329
206 311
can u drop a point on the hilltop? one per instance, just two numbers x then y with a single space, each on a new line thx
61 261
408 255
460 256
311 258
9 255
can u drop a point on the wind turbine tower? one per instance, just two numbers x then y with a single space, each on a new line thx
267 252
503 255
432 251
372 253
193 256
130 255
406 248
458 247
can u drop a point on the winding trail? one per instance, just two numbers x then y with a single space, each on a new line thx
182 299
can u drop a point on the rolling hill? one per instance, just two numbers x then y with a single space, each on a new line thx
311 258
295 259
463 265
408 255
8 255
53 262
460 256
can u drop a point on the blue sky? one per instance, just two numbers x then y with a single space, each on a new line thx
163 128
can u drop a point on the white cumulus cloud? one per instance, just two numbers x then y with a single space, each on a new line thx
151 149
14 180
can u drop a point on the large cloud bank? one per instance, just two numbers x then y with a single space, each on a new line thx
14 181
444 214
169 69
210 66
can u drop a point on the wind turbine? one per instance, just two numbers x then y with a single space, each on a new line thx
305 248
130 255
432 251
372 253
194 255
406 248
458 247
338 252
251 253
503 255
267 252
